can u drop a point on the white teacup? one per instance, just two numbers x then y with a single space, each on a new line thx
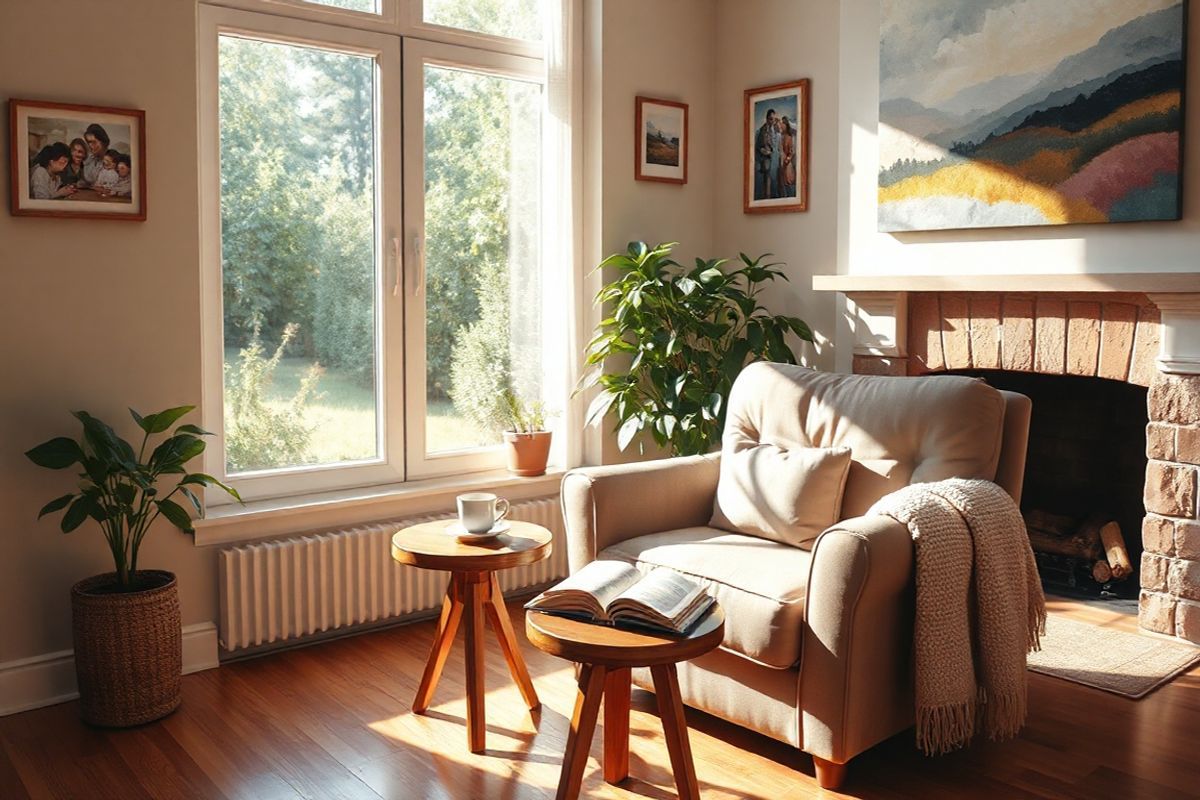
479 511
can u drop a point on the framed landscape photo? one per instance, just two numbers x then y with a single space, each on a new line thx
775 158
661 141
77 161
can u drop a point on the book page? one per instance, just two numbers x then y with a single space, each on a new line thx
663 591
591 588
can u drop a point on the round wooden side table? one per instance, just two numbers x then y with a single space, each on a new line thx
606 655
473 591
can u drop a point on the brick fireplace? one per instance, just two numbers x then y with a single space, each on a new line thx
1137 329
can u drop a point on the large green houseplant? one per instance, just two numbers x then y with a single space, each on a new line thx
676 339
128 656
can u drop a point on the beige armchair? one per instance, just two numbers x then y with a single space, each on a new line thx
817 648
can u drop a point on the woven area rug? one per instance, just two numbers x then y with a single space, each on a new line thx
1128 664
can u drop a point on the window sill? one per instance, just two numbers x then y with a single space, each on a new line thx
282 516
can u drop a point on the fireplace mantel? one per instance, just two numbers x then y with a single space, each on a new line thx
878 305
1143 282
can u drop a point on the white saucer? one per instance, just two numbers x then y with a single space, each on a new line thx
456 529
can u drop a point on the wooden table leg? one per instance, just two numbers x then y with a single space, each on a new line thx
475 586
502 625
583 726
452 609
616 725
670 710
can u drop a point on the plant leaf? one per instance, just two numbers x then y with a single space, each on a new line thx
599 407
196 429
175 515
105 443
55 505
165 419
205 479
80 510
190 495
58 453
628 431
712 406
800 328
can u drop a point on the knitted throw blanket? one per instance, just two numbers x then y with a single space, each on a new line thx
979 609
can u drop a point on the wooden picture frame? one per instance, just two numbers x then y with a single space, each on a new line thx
768 186
108 183
660 150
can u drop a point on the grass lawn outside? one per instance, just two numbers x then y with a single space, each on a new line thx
342 416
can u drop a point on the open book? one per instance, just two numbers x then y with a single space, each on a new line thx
615 593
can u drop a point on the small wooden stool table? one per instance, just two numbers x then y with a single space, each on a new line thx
606 655
473 589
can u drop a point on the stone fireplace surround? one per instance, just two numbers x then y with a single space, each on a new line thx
1138 328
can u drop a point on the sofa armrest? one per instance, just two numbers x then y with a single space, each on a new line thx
605 505
856 682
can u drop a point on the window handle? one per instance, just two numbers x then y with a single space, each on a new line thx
419 262
395 266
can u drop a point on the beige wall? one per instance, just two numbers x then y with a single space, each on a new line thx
1130 247
660 49
760 43
97 315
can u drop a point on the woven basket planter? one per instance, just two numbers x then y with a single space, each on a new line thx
128 649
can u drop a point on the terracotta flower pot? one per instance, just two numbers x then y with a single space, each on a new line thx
128 648
527 452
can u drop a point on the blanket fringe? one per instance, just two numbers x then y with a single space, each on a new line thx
941 729
1036 627
1004 714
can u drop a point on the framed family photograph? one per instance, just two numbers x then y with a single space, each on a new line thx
661 141
775 161
77 161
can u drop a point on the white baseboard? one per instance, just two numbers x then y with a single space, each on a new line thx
45 680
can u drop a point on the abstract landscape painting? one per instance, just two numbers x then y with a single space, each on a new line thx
997 113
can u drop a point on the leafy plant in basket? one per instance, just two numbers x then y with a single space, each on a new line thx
126 624
685 334
119 488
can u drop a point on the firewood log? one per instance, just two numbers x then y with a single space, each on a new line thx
1101 572
1083 547
1051 523
1116 552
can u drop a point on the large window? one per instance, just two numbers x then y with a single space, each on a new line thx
356 344
474 140
298 233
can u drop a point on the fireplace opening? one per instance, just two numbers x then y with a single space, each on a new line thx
1084 477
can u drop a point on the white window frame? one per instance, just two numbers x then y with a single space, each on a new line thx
400 338
418 55
403 17
389 466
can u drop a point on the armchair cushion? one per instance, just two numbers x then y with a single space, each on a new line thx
787 495
761 584
901 430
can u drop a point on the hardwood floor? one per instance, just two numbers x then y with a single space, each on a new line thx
334 721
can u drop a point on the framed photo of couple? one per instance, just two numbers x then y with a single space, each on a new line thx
77 161
775 161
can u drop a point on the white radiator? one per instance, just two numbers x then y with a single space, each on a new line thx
280 591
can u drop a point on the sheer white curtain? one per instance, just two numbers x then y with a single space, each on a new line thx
567 313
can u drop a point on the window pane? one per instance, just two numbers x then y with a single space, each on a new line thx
369 6
298 255
483 272
516 19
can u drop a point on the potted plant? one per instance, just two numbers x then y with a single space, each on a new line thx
681 337
525 436
128 637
